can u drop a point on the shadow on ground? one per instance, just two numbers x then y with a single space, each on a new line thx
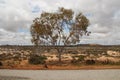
13 78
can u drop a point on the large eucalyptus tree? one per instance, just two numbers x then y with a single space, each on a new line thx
62 27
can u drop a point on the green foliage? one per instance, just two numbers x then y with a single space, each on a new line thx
36 59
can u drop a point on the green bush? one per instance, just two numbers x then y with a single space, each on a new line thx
36 59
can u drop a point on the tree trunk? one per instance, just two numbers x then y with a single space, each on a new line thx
59 54
37 50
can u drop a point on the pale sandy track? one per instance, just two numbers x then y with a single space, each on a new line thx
113 74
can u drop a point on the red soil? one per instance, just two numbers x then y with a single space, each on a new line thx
60 67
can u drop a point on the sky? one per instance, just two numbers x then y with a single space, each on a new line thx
16 17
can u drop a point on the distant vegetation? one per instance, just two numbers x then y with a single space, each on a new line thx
78 55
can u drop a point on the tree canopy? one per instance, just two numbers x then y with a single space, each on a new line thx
62 27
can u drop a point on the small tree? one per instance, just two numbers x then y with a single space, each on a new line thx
59 28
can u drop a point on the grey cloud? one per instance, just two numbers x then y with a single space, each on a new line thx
15 16
2 2
14 25
104 18
98 29
7 37
104 15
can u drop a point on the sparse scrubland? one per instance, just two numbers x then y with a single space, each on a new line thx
71 59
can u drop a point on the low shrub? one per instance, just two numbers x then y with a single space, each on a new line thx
73 52
36 59
80 58
74 60
108 62
90 62
1 64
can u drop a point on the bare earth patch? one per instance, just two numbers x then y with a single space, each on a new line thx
61 67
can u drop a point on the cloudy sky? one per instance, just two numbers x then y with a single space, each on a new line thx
16 17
